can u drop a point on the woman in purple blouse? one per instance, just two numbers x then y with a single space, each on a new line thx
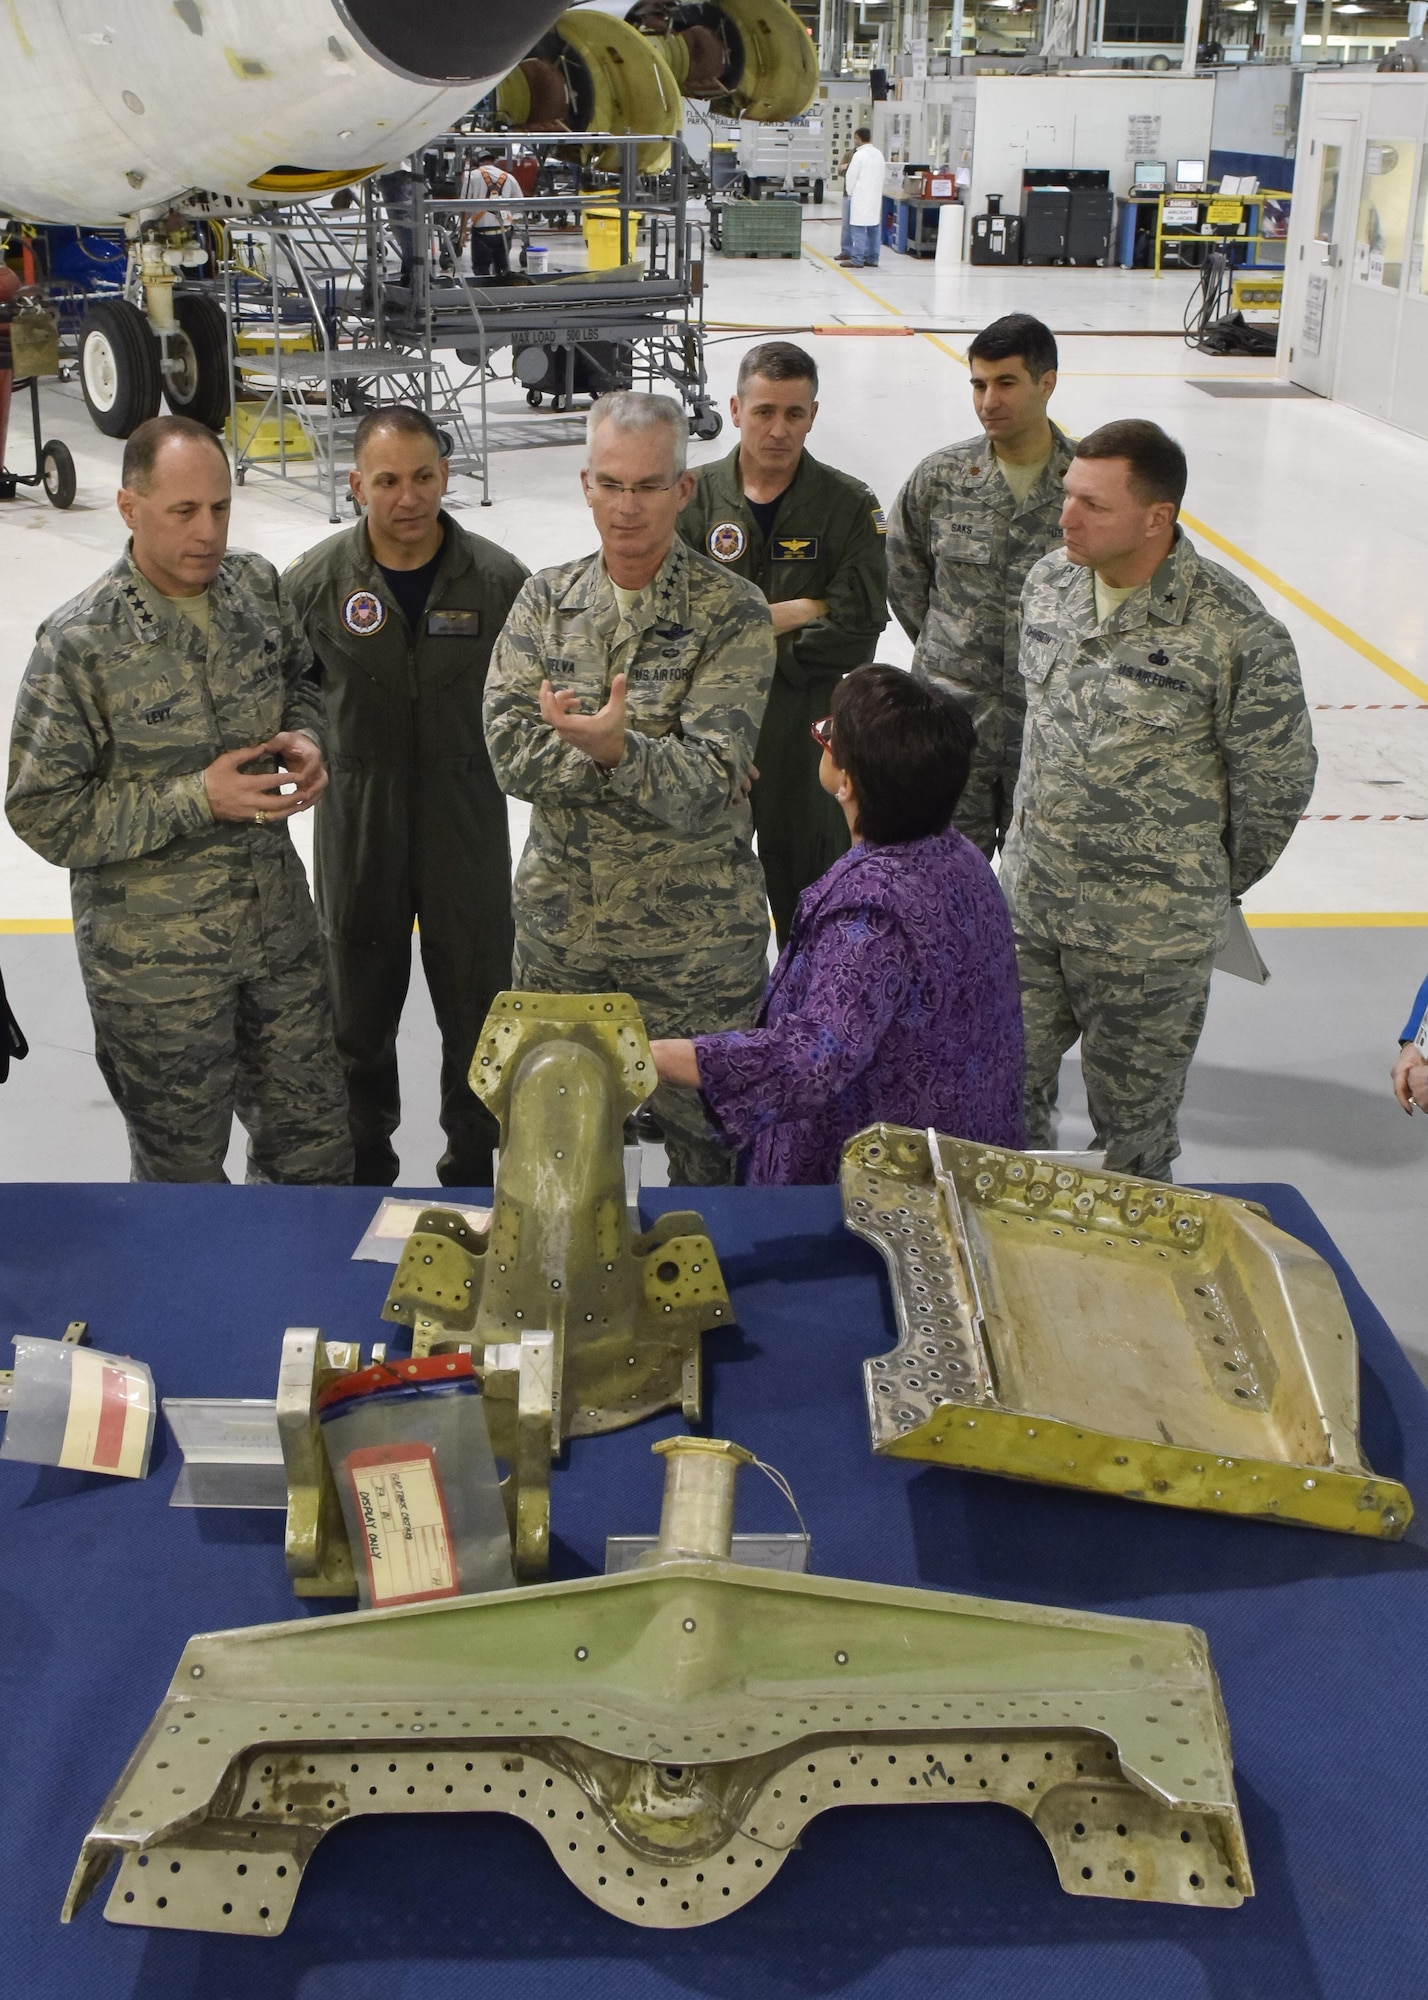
896 996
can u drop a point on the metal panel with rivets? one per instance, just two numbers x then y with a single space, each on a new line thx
1087 1328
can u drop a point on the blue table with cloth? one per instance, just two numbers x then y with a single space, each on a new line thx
1321 1642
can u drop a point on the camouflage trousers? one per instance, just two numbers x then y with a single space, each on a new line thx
179 1069
1138 1020
677 999
984 809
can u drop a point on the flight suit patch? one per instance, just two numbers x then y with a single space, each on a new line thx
880 520
364 613
726 541
794 548
453 624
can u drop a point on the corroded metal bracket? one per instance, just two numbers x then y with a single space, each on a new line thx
671 1730
562 1072
516 1390
1091 1329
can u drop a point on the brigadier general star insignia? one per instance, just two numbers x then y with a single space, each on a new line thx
364 613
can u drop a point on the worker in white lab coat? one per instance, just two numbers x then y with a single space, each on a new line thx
863 187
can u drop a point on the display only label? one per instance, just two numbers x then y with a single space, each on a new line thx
107 1424
406 1537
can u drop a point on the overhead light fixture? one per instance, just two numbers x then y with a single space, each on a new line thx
1350 7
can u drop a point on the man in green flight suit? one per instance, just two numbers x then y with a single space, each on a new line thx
402 610
1168 756
812 540
624 701
962 537
161 716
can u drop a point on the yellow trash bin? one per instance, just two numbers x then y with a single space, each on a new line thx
601 229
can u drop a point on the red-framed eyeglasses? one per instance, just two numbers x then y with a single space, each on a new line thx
823 733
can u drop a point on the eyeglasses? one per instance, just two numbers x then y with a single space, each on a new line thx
823 733
611 489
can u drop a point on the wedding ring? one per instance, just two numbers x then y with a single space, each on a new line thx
260 818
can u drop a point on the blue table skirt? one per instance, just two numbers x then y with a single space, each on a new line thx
1321 1644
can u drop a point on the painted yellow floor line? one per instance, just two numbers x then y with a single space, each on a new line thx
857 283
1333 920
1334 626
1326 619
33 926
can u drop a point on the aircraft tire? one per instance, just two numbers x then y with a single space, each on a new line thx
202 391
118 367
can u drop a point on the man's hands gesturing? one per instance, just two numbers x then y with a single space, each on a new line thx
234 794
601 736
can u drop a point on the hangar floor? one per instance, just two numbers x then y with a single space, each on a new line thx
1314 505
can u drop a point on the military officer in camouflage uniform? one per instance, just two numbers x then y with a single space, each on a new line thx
161 713
963 535
812 540
402 611
624 701
1167 759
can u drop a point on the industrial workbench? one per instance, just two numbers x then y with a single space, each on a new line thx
1321 1642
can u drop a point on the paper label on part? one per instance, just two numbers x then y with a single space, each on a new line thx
406 1535
394 1221
107 1425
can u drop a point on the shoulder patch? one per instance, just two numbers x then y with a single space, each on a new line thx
364 613
794 548
726 541
880 520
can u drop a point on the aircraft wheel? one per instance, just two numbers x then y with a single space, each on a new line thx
118 367
201 388
57 474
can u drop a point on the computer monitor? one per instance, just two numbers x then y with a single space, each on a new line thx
1189 176
1148 176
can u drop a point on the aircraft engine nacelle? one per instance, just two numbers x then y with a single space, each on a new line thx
748 58
118 108
594 73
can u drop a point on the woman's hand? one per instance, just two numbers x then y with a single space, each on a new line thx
1409 1074
676 1062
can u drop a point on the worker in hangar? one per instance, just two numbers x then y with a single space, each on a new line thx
1168 756
624 702
402 610
812 539
167 728
962 537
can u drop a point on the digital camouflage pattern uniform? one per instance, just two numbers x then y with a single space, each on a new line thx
412 827
196 937
1168 756
641 879
827 542
960 548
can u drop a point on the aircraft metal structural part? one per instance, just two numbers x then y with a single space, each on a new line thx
516 1391
562 1072
670 1731
1091 1329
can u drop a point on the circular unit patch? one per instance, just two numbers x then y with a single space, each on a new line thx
364 613
726 541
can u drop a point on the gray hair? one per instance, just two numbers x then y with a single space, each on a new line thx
633 410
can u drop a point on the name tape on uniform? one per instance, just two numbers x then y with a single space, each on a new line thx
406 1537
794 548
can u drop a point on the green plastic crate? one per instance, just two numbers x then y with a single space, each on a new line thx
761 228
